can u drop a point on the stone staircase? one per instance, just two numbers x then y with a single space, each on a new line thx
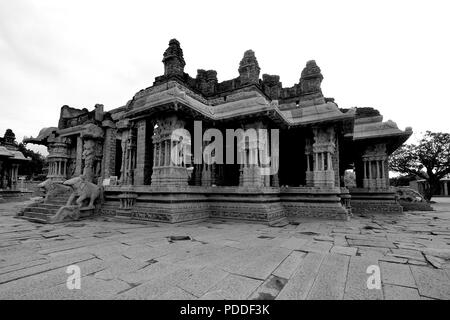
41 212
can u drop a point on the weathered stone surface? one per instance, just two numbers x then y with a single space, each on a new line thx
289 265
400 293
371 243
432 283
130 261
294 243
202 280
317 246
302 281
269 289
397 274
356 288
349 251
331 279
232 287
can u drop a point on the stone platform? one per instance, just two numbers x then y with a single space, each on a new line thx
366 202
183 204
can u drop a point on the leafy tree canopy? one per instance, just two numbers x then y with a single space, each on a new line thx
429 159
33 167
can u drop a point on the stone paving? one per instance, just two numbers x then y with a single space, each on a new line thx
315 259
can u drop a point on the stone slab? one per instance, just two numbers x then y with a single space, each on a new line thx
330 281
233 287
303 278
392 292
432 283
397 274
356 288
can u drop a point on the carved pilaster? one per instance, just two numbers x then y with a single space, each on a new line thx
92 155
375 164
172 147
323 149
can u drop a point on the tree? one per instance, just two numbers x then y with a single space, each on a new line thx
35 166
402 181
429 160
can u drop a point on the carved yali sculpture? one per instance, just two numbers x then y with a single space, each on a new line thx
51 188
82 190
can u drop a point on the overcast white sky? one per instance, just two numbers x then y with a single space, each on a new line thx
391 55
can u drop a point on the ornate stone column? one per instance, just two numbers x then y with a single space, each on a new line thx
109 149
143 152
14 175
207 169
310 163
375 163
130 157
92 155
323 149
123 130
79 157
171 147
248 148
57 158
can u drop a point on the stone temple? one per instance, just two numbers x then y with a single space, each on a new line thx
149 156
10 161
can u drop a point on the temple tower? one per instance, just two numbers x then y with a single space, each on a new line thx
249 68
173 59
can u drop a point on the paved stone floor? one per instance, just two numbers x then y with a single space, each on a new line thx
227 260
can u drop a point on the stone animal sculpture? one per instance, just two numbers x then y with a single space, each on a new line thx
82 190
51 188
47 186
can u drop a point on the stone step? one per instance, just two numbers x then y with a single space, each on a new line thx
42 210
46 205
35 220
56 202
36 215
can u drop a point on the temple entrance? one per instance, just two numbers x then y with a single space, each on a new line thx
118 158
292 158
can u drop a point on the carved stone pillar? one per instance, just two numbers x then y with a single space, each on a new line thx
109 150
173 144
310 163
130 157
79 157
323 149
144 151
375 161
248 150
207 168
14 175
58 157
92 136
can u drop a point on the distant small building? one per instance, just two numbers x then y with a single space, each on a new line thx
420 185
10 161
